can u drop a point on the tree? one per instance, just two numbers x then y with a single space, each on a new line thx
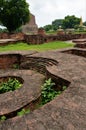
84 23
56 23
48 27
70 21
14 13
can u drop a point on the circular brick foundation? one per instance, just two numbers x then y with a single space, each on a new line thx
13 101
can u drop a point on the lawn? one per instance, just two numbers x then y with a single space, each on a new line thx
42 47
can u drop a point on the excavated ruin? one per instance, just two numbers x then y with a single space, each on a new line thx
65 67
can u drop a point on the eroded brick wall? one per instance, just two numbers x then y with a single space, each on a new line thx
34 39
9 60
39 39
19 36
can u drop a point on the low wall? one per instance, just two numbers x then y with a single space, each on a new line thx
39 39
19 36
9 60
34 39
82 45
75 51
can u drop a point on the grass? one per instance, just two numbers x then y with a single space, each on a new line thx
80 32
74 32
42 47
51 32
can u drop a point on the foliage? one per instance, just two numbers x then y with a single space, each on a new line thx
56 23
48 93
48 27
64 87
41 47
51 32
13 13
84 23
54 26
3 30
67 22
76 27
18 30
10 85
23 112
20 113
70 22
78 31
81 29
16 66
2 118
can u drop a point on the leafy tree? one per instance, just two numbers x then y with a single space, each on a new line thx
76 26
56 23
70 21
13 13
84 23
48 27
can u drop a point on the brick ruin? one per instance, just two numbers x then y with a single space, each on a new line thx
38 38
30 27
66 67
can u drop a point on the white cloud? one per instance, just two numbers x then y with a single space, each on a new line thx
46 11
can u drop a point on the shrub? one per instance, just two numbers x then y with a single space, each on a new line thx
23 112
10 85
2 118
48 93
16 66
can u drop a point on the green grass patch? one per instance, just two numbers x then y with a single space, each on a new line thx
51 32
41 47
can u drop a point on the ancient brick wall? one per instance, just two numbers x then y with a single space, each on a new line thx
19 36
9 61
34 39
40 39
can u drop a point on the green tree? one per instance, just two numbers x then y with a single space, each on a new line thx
48 27
84 23
56 23
70 21
14 13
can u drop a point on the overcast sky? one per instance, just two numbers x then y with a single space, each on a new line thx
46 11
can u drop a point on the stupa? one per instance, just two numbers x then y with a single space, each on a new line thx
30 27
81 24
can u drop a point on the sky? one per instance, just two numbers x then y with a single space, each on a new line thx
46 11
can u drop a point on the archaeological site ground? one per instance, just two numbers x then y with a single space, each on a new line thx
66 67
